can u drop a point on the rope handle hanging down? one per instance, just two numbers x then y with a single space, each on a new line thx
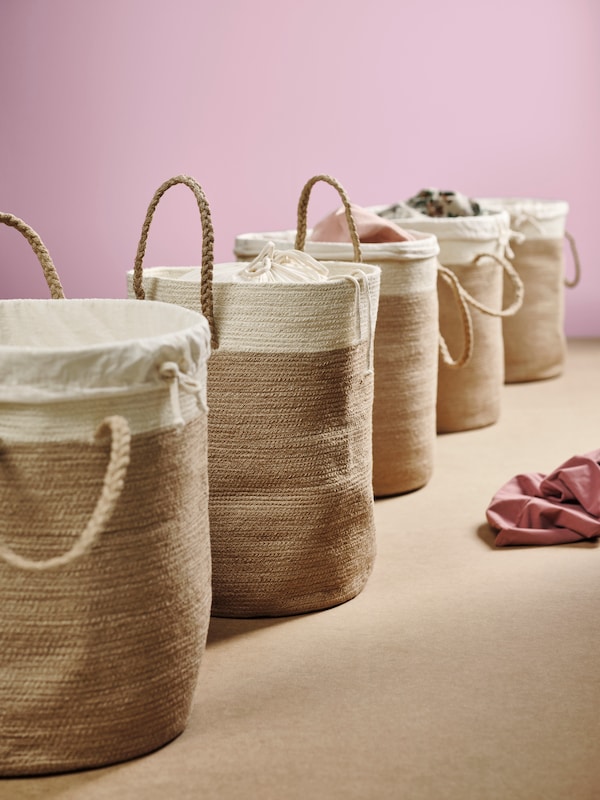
208 239
467 323
524 216
517 284
303 213
570 284
40 250
114 479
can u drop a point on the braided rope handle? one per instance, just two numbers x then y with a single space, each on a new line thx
303 212
40 250
467 323
112 488
570 284
517 284
208 240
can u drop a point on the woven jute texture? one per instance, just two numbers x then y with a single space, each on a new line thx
406 351
290 397
406 363
406 369
291 507
99 657
404 409
471 397
290 456
534 339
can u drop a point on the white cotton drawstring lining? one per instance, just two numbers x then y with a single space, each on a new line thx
296 266
518 218
177 380
283 266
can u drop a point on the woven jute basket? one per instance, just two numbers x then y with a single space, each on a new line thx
407 340
104 542
534 338
290 392
475 250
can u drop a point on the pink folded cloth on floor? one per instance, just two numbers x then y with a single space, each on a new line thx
559 508
370 227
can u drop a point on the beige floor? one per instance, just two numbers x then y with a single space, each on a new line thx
460 673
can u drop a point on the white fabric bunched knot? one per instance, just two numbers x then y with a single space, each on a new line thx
283 266
506 237
171 372
520 217
297 266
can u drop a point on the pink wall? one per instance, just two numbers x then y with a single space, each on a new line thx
100 102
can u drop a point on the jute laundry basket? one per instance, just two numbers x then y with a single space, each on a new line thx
534 338
290 392
407 340
474 249
104 542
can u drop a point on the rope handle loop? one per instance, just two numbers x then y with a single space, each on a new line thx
40 250
114 480
467 323
208 240
517 284
303 212
570 284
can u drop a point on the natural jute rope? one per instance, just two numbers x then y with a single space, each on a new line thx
467 323
206 293
303 211
112 487
524 216
301 242
517 283
571 283
471 398
42 254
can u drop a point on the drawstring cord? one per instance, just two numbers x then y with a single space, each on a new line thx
177 380
354 278
506 239
295 264
525 216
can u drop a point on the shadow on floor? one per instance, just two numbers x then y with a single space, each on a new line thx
223 628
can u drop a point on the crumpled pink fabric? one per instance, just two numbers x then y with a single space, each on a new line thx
370 227
559 508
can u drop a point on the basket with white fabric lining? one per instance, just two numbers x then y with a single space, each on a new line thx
534 338
104 543
406 347
290 393
477 250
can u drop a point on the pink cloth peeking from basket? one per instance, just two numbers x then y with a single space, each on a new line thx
371 228
559 508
